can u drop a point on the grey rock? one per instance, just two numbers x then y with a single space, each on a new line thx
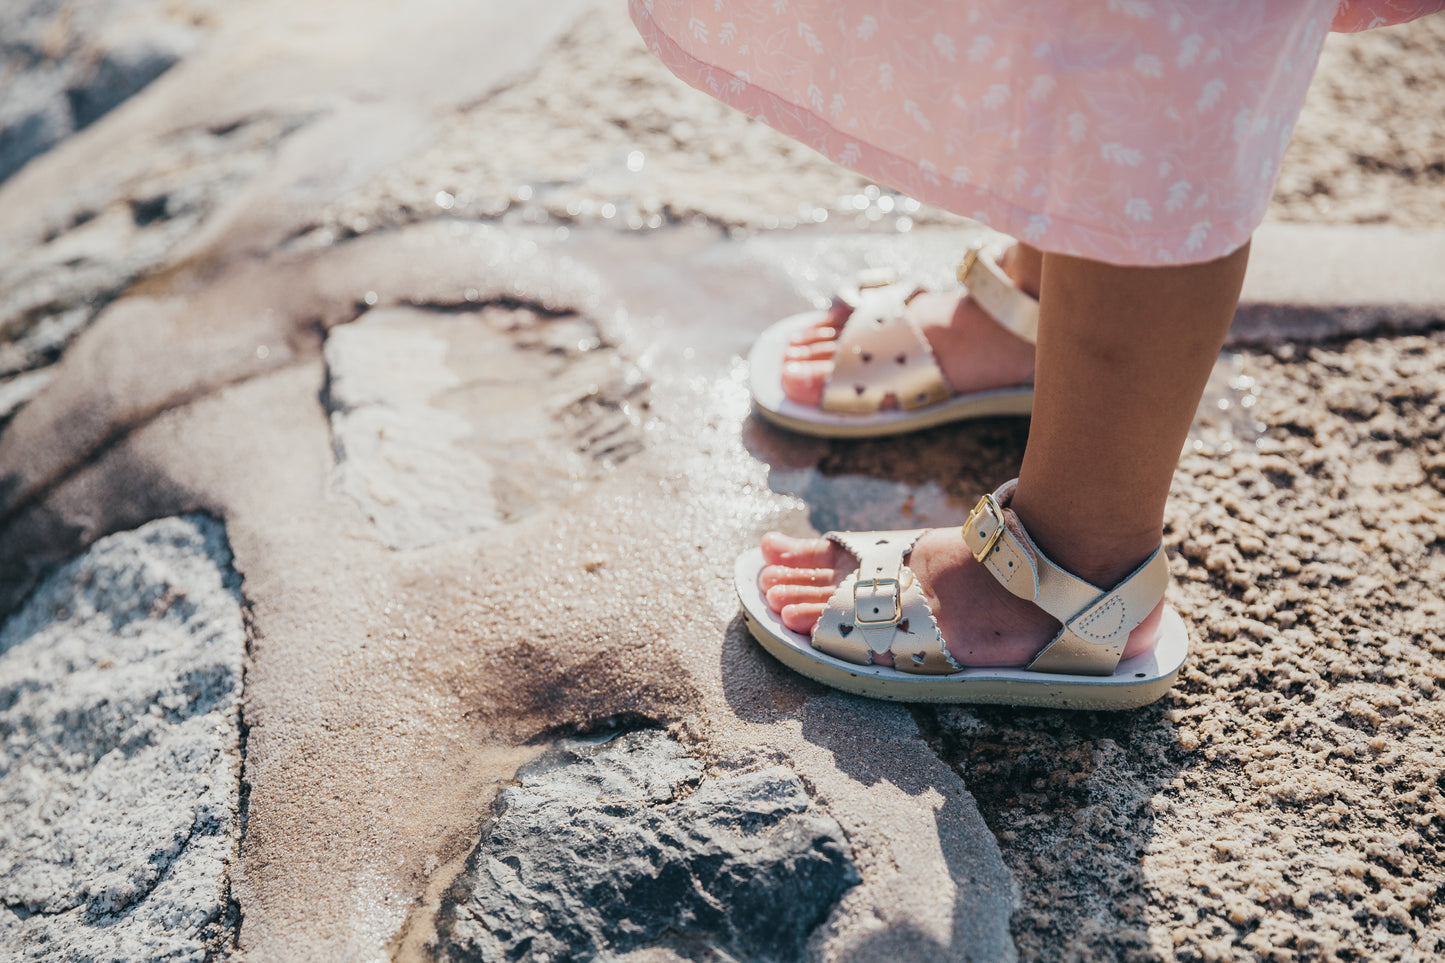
120 686
123 71
604 850
67 65
34 116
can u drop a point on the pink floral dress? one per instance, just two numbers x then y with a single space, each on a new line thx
1137 132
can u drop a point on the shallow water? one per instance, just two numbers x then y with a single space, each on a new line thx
689 301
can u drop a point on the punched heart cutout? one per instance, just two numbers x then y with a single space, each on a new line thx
903 627
845 630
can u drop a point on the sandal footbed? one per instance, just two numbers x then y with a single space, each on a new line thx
1135 682
765 374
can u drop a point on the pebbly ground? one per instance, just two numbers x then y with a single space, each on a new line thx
438 315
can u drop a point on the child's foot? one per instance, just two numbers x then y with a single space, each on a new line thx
974 352
983 623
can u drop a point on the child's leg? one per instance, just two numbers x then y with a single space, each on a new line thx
974 352
1123 357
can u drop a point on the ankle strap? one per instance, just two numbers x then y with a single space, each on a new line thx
1097 623
997 294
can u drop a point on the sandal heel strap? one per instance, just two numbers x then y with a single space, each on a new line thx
997 294
1097 623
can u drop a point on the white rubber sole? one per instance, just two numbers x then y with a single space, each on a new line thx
1136 682
765 374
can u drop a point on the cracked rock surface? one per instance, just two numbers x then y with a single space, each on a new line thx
600 850
120 687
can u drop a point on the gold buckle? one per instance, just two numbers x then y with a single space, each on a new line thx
989 503
969 258
897 601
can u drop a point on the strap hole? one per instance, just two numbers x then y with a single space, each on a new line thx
867 357
859 388
918 658
875 610
923 396
1138 675
902 359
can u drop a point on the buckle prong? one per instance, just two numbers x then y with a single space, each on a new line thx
966 265
897 601
990 505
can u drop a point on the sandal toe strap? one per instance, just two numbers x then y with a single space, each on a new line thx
882 353
1096 622
881 608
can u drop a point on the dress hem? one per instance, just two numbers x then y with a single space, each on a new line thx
1038 228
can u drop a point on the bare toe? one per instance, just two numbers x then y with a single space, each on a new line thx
782 596
802 616
803 381
818 333
786 575
780 549
817 351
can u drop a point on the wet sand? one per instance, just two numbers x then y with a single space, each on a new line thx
576 224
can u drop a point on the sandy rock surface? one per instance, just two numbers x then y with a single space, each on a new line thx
376 287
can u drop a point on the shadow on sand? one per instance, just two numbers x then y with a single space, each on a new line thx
1070 796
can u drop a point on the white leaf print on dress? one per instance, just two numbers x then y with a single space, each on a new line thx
867 28
1119 154
911 109
1210 95
1137 9
1197 234
1078 127
885 76
943 43
1138 209
726 33
815 98
979 48
838 106
996 97
850 156
810 38
1038 225
1178 194
698 28
1189 49
1148 65
1242 121
1042 86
